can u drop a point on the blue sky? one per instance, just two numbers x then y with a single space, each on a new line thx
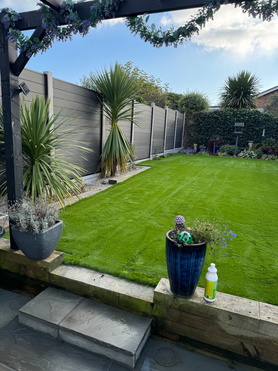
231 43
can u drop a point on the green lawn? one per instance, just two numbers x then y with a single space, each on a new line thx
121 230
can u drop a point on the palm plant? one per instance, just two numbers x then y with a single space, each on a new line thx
117 89
47 171
240 91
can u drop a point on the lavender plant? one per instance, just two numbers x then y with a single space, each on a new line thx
33 216
216 234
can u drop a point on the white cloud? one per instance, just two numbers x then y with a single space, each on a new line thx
111 22
231 30
19 6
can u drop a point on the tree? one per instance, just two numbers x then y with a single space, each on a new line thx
272 107
173 100
150 89
117 89
240 91
193 103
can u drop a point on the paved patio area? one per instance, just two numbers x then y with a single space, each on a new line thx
24 349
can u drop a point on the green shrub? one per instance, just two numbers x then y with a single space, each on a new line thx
248 154
223 154
269 157
202 153
192 103
259 153
228 149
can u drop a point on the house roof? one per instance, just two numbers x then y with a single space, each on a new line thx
268 91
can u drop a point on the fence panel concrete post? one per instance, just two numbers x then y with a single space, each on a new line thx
49 91
183 128
165 129
175 130
102 134
132 124
151 133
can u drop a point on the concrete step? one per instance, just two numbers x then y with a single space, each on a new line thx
96 327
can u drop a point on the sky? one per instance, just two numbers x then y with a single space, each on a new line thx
232 42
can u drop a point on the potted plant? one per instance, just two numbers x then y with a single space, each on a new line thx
186 252
35 227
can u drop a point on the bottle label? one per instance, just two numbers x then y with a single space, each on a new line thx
210 290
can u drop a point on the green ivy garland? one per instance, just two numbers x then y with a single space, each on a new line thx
104 9
158 37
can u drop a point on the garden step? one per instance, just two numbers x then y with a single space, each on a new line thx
96 327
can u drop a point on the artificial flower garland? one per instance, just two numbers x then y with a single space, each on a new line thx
138 25
158 37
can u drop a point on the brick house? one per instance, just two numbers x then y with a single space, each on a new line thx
263 98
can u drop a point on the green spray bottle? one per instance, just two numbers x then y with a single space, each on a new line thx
211 283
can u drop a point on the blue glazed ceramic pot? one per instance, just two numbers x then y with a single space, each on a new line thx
184 266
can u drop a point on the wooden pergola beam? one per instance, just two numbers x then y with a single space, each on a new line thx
21 61
127 8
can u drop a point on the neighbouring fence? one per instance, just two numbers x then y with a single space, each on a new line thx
153 130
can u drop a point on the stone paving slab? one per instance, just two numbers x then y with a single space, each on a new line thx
102 329
24 349
96 327
10 303
45 312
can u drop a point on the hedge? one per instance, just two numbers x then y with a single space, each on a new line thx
203 127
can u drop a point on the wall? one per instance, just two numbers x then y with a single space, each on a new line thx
263 100
238 328
153 130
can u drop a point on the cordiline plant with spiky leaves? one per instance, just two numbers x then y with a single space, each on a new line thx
240 91
117 90
47 170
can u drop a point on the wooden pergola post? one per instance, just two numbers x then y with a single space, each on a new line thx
11 120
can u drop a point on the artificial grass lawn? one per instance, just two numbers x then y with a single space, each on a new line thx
121 231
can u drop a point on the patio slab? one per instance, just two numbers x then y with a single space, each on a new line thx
96 327
22 348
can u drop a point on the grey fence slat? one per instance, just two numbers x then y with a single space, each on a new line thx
158 134
142 131
170 129
179 131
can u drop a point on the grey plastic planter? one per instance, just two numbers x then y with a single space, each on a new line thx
38 246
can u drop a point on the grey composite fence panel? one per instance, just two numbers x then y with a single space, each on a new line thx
158 130
35 82
170 130
179 130
76 101
82 104
142 131
126 125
